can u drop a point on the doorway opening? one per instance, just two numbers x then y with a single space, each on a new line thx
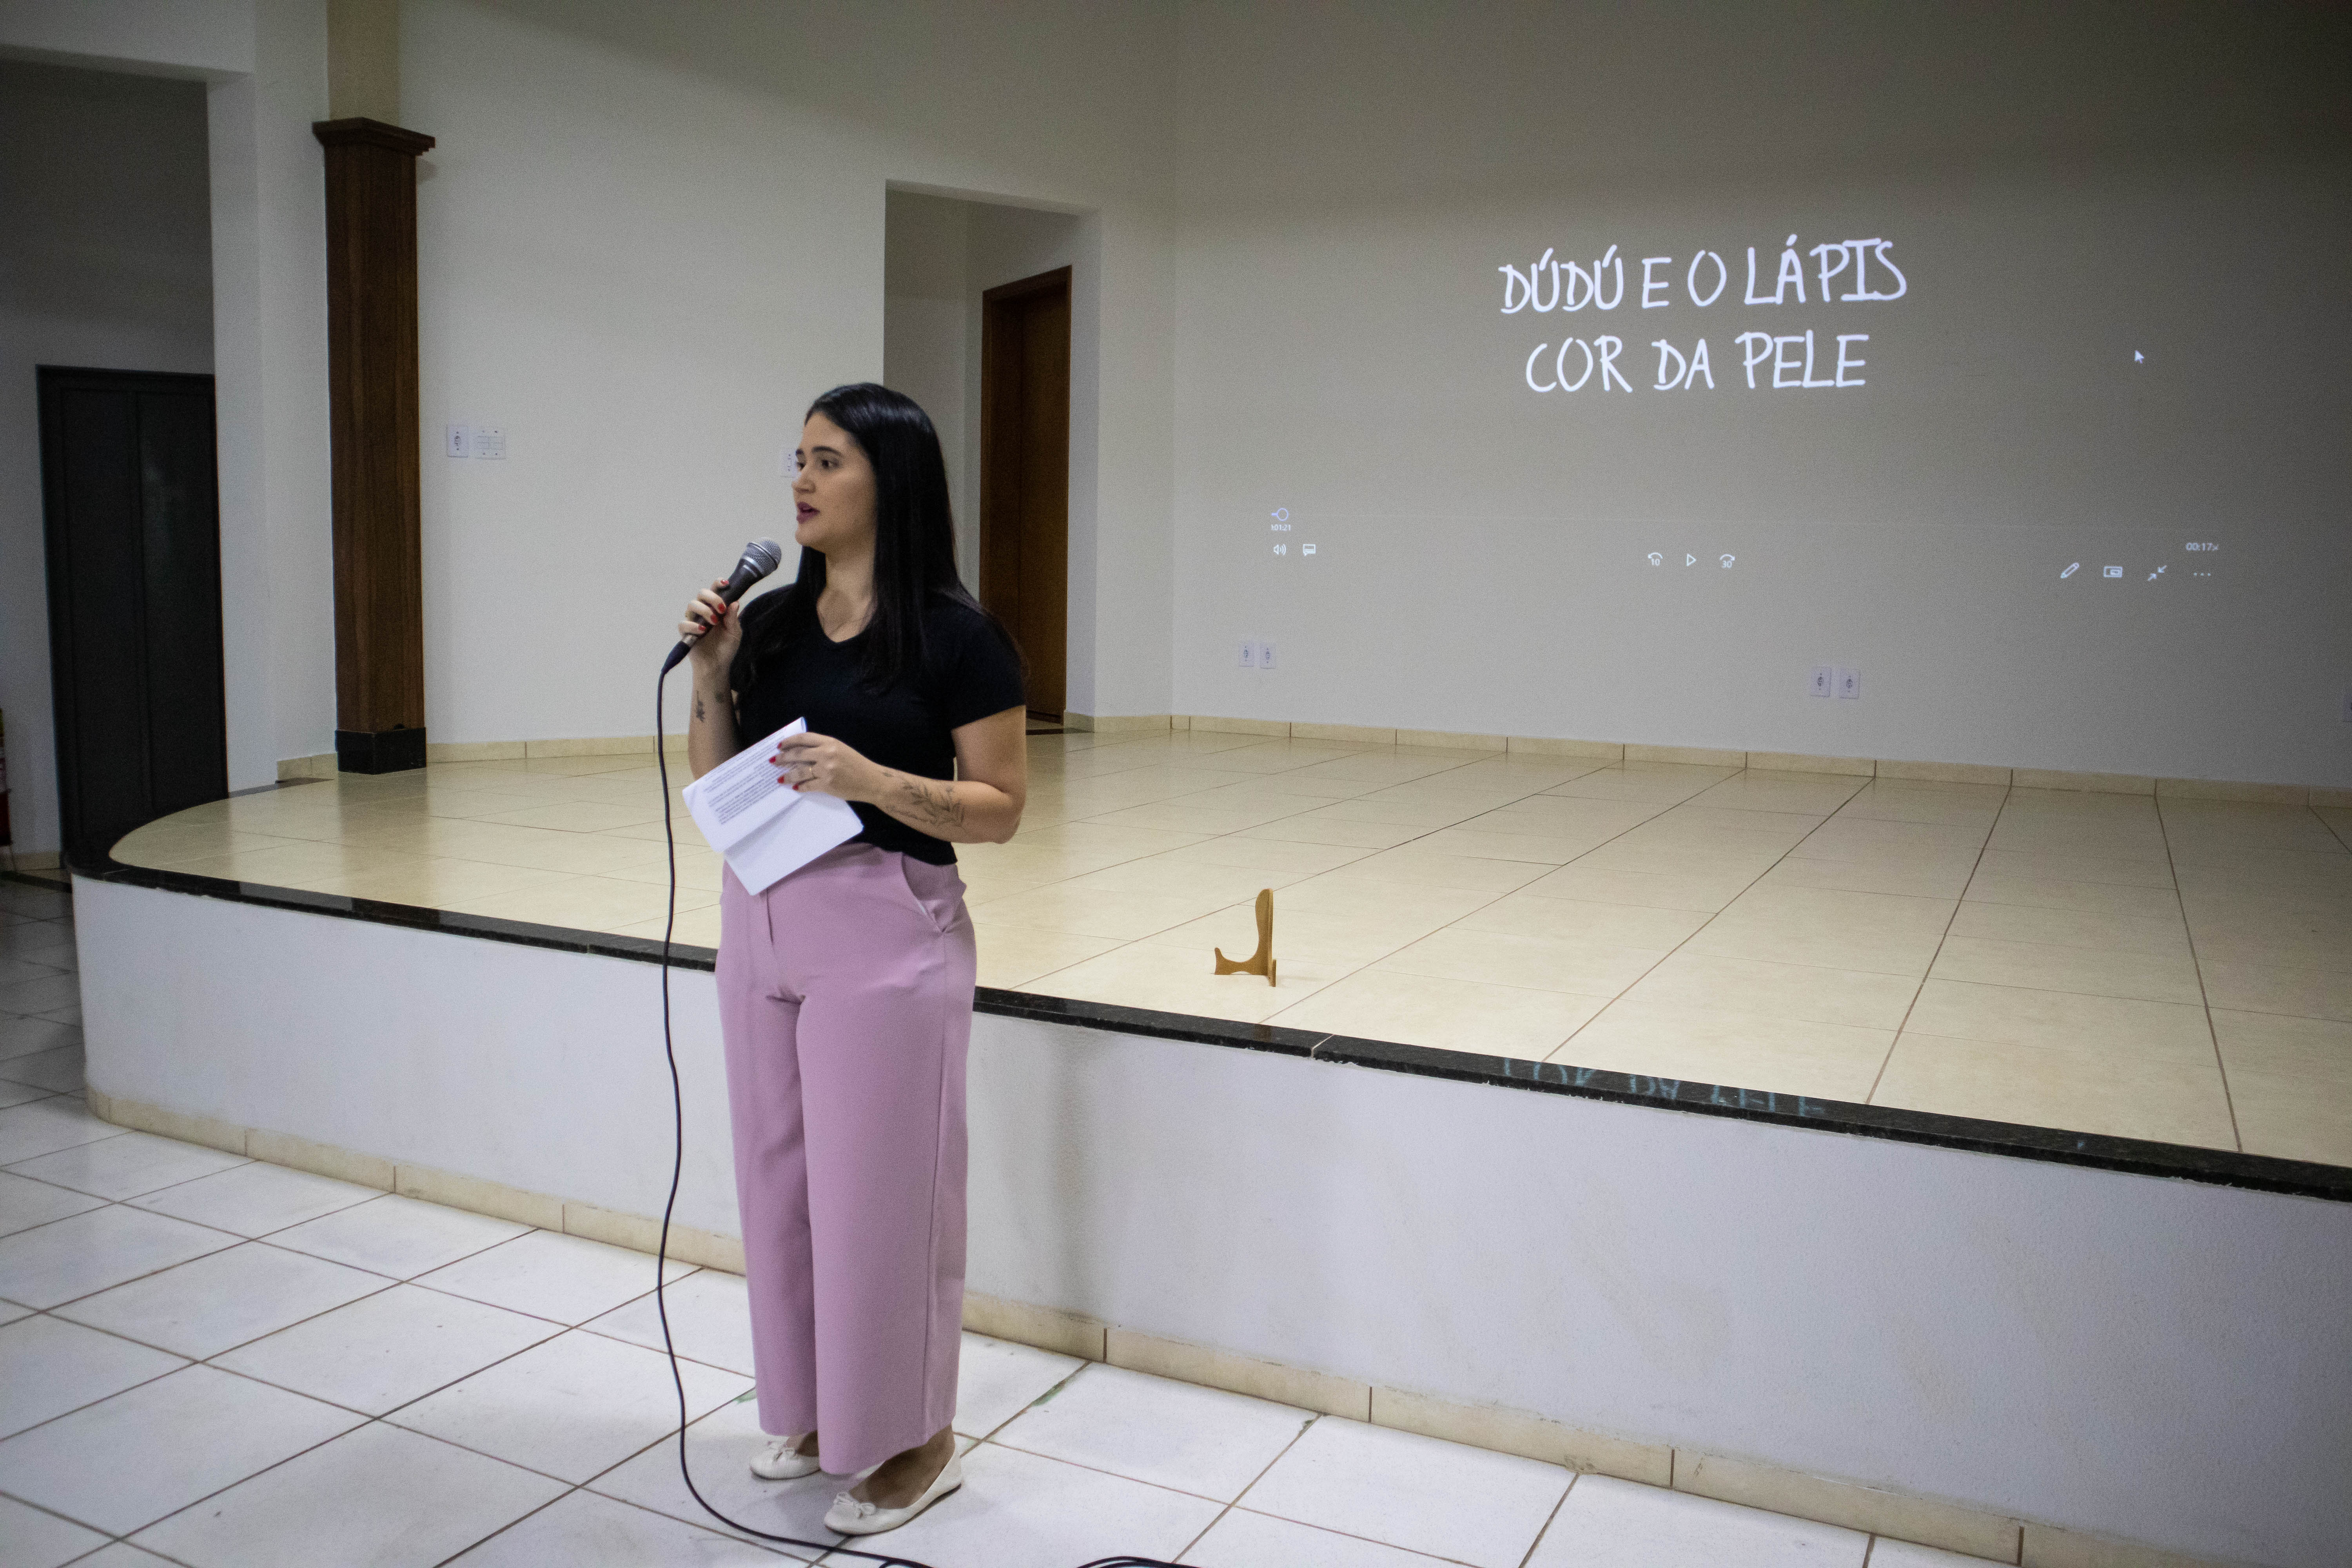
978 327
131 510
1024 475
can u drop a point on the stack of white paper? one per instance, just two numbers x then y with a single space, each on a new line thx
765 829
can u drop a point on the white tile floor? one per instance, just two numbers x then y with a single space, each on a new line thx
216 1362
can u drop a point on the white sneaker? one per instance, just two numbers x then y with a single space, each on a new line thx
779 1462
850 1516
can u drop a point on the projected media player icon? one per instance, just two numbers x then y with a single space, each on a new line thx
2070 571
2111 570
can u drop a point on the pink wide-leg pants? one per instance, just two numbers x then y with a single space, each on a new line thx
845 997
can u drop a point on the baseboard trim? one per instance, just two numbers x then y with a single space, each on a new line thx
1927 1521
1786 761
450 1189
323 766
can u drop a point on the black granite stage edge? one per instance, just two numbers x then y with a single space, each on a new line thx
2132 1156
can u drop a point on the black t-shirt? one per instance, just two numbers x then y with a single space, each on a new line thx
970 671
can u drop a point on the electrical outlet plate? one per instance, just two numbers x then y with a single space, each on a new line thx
490 441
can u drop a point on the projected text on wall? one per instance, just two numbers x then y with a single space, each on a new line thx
1843 272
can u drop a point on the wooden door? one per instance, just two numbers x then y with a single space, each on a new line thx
133 512
1025 473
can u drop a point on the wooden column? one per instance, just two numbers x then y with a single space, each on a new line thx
372 402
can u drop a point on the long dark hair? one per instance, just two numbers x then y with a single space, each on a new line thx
914 540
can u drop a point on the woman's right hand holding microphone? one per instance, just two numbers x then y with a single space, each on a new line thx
714 631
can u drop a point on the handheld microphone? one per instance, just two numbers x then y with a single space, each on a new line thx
760 557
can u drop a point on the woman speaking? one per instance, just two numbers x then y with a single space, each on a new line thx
845 990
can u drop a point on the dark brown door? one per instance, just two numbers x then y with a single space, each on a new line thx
1025 473
133 509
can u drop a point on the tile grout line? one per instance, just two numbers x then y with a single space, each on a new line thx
1231 1503
1560 1502
366 1418
2335 831
1975 867
186 1363
78 1524
1373 962
1656 815
1304 811
2197 965
1205 839
571 1488
1746 888
1313 1419
390 1281
1749 887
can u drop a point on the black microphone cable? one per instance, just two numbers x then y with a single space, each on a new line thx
677 1168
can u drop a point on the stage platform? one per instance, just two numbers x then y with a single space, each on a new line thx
2120 965
1968 1165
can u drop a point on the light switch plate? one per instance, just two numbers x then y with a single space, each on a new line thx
459 441
1266 655
1823 682
1249 654
1849 682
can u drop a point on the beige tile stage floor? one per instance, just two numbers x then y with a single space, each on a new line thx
2122 964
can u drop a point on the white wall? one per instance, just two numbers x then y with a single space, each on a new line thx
649 236
218 979
264 64
923 328
105 262
1119 597
269 336
201 39
2153 1359
1351 181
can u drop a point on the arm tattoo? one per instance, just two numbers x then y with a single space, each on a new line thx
933 802
698 715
